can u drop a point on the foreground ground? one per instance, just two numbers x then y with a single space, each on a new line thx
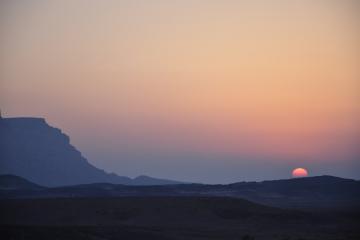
168 218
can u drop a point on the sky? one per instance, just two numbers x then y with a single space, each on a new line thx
201 91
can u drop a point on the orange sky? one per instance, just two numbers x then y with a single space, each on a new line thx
260 81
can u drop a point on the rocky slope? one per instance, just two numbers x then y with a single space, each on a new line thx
32 149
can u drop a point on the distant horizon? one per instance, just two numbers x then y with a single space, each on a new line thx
180 180
184 182
200 91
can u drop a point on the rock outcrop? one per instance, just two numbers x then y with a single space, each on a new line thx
32 149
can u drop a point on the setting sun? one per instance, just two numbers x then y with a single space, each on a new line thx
299 172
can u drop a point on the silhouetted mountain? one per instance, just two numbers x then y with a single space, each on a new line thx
311 192
32 149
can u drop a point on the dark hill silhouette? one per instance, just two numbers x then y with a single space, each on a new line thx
313 192
305 193
11 182
32 149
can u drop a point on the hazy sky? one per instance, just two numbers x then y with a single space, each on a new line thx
207 91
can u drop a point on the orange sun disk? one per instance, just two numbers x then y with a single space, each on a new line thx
299 172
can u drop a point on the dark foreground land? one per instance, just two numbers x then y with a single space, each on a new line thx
169 218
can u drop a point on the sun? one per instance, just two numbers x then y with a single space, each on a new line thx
299 172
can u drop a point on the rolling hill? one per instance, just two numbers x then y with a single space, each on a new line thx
319 192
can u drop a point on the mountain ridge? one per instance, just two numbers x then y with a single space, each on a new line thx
31 148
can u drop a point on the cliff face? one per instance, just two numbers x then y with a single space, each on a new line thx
32 149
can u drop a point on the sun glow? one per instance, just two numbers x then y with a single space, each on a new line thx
299 172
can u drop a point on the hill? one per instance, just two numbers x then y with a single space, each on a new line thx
319 192
11 182
327 208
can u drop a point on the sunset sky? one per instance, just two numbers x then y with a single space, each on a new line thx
203 91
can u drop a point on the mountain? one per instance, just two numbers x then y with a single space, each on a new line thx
32 149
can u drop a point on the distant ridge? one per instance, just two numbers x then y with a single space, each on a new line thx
306 193
32 149
146 180
314 179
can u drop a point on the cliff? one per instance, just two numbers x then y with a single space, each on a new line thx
32 149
